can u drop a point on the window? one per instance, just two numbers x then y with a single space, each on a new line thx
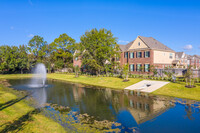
139 67
76 58
139 54
131 55
126 55
138 43
131 66
146 67
170 56
147 54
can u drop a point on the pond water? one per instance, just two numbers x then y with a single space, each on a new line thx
146 113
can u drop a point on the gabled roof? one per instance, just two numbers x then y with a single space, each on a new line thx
179 54
155 44
125 47
197 56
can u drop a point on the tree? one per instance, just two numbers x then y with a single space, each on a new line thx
77 69
107 68
126 71
97 47
65 47
168 73
189 77
153 69
23 58
141 69
3 63
36 47
9 58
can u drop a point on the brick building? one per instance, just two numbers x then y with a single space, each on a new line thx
144 52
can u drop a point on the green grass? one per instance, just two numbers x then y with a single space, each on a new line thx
17 116
179 90
15 76
109 82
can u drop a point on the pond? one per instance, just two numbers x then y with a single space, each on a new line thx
146 113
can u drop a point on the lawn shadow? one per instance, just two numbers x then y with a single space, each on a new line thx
18 124
11 102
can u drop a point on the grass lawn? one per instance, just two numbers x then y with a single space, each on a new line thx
17 116
15 76
109 82
179 90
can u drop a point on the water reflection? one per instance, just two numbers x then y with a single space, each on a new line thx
146 112
40 96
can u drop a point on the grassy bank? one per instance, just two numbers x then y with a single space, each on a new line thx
17 116
180 91
172 89
15 76
109 82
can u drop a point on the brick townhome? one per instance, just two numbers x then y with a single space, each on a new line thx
194 61
183 60
144 52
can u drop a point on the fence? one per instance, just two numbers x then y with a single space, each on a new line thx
178 72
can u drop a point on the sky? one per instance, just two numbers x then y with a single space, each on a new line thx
175 23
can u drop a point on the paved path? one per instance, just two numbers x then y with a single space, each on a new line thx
143 85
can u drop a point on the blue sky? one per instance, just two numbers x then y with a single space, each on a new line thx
176 23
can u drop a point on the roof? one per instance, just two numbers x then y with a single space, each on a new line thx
126 47
155 44
179 54
197 56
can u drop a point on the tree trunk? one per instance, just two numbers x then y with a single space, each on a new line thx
21 71
127 77
64 62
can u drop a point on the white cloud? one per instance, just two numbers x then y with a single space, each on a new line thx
30 35
12 28
122 41
188 47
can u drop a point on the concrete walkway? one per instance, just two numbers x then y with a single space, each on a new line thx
147 85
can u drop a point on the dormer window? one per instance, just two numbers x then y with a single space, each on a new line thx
138 43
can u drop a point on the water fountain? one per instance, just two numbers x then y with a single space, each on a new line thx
38 85
39 76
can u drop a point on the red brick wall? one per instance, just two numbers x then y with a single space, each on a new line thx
121 59
77 62
136 61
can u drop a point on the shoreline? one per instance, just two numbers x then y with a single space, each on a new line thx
177 90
